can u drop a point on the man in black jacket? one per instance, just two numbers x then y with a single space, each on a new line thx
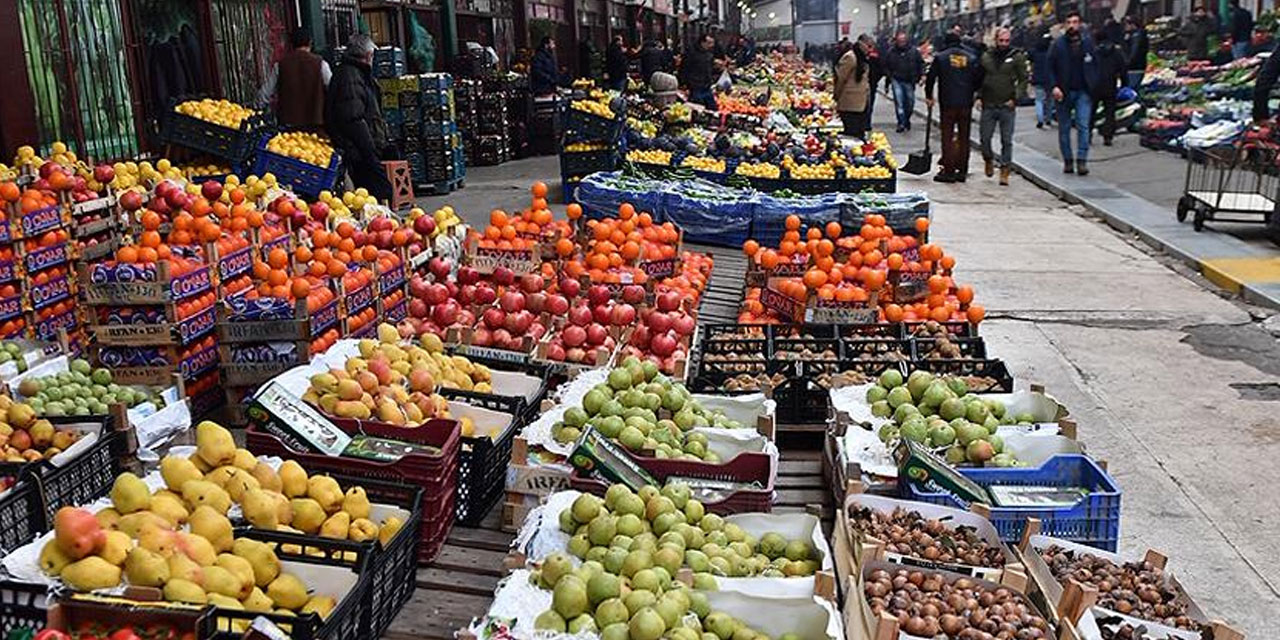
1111 73
354 118
956 71
1241 30
615 64
903 69
1135 51
697 72
1262 88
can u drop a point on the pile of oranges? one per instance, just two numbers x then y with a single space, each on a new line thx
691 280
29 199
860 268
521 230
614 247
46 239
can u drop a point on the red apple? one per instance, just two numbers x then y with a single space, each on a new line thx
668 301
640 336
466 318
319 211
451 288
662 345
684 324
104 173
418 286
598 294
131 200
532 283
504 276
211 190
424 225
659 322
467 294
502 339
602 314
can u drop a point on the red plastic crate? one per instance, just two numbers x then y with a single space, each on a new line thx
746 467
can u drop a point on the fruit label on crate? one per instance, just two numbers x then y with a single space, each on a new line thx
198 325
836 312
248 374
793 269
910 254
103 291
94 227
46 257
285 415
485 260
595 455
47 329
757 277
41 220
199 362
918 464
911 286
6 235
785 306
391 279
51 292
134 334
490 353
419 259
664 268
235 263
7 272
359 299
537 480
324 318
89 206
281 242
10 307
397 312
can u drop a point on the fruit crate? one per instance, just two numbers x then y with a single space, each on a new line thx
755 469
735 331
347 621
22 606
435 473
953 327
970 348
876 349
986 376
873 185
482 461
1094 519
786 349
303 178
580 126
801 400
235 145
574 163
86 477
21 514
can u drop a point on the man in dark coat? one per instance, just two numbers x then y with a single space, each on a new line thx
354 117
903 69
1136 46
956 72
1111 74
544 72
697 72
652 58
1195 32
1040 79
1241 30
1262 88
1073 71
299 78
615 64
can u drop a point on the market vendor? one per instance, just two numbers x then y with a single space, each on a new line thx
300 78
1196 31
545 76
615 63
354 117
697 72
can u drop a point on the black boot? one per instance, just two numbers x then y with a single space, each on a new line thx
944 176
1082 168
1068 166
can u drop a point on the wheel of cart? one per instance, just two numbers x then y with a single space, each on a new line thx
1238 183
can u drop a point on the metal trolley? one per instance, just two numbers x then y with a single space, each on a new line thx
1239 183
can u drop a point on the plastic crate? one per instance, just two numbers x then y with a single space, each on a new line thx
801 401
969 347
214 139
1001 380
953 327
21 515
575 163
872 349
1094 520
88 476
755 468
22 606
482 461
304 178
580 125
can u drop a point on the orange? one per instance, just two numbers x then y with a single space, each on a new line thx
150 239
538 203
302 254
346 244
346 229
947 262
793 222
210 233
574 211
336 268
151 221
256 219
813 233
315 269
964 294
369 253
874 279
498 218
539 190
750 247
626 210
814 278
492 233
9 192
833 230
922 224
769 259
937 284
895 261
976 314
787 248
893 313
564 247
300 288
277 258
127 254
148 254
237 196
630 250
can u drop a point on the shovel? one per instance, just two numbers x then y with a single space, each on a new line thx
921 162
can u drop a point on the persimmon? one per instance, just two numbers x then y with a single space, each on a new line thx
976 314
750 247
793 222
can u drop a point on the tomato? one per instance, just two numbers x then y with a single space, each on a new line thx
124 634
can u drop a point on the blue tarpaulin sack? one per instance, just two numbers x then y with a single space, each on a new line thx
769 222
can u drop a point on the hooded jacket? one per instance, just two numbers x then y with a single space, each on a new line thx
958 74
352 111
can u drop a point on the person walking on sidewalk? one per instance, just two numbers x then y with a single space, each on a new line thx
1004 78
1073 69
853 90
876 71
904 67
958 75
1111 74
1040 78
1195 32
1241 30
1135 51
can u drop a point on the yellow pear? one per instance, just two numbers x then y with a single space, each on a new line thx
170 507
257 601
267 477
219 580
116 548
266 566
390 527
284 512
91 573
214 444
201 492
336 526
326 491
134 523
180 590
356 503
200 465
197 548
240 568
238 484
287 591
307 515
180 566
212 526
222 474
146 568
260 509
109 518
362 529
320 605
293 480
52 559
129 494
177 471
158 539
245 460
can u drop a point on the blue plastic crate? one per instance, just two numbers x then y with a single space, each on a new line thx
388 62
1094 520
304 179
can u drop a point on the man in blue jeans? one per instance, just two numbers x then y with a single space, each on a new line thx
903 68
1073 70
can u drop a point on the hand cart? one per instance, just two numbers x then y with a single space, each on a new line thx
1238 183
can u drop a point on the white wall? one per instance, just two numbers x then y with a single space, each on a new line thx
781 10
861 21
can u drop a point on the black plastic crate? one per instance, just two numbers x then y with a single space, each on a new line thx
584 162
734 331
972 348
788 331
870 330
22 606
87 477
1000 380
21 514
482 461
801 401
744 348
953 327
876 348
589 126
216 140
789 349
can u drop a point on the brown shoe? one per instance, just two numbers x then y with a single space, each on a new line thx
1004 176
989 166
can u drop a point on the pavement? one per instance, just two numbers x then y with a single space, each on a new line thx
1173 382
1136 190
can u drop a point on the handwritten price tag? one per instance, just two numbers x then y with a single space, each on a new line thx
785 306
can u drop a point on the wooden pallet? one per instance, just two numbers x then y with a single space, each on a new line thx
459 585
723 296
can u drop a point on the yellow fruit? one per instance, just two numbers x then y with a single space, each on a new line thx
241 569
244 460
170 507
260 509
91 573
293 480
134 523
287 591
180 566
219 580
214 444
307 515
129 494
108 518
158 539
325 490
201 492
117 547
52 559
146 568
257 601
197 548
266 566
390 527
320 605
207 523
337 526
180 590
177 471
267 477
356 503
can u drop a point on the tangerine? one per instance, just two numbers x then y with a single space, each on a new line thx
793 222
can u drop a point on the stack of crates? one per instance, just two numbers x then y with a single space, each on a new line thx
421 118
492 139
520 108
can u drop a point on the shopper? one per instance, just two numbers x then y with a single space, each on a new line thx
903 67
1040 79
1241 30
1195 32
650 59
615 64
697 72
544 72
1135 51
853 89
1111 76
1262 87
1073 69
300 78
958 75
354 118
1004 79
875 72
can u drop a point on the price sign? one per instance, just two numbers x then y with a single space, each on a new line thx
910 286
659 268
835 312
485 260
785 306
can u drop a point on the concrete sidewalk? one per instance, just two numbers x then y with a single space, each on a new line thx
1239 258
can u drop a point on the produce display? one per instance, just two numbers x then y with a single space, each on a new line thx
943 413
930 604
222 112
910 534
308 147
1137 589
26 437
1185 104
83 391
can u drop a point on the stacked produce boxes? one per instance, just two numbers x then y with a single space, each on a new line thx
421 118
